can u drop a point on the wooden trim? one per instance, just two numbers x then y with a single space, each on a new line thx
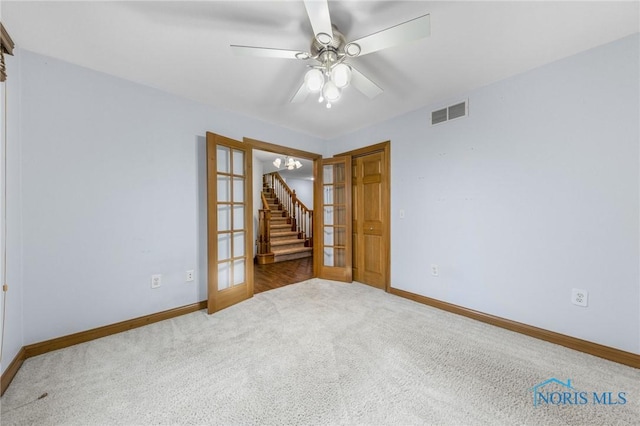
266 146
382 146
595 349
6 46
107 330
12 370
6 42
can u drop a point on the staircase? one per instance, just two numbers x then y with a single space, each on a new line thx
284 240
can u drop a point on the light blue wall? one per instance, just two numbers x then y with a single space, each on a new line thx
303 188
534 193
113 185
13 325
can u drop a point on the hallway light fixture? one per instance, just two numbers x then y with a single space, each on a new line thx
289 163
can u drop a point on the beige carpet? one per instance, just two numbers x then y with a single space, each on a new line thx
317 352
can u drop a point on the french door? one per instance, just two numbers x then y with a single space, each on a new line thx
333 255
230 222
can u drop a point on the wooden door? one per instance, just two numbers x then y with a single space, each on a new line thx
230 222
370 221
332 251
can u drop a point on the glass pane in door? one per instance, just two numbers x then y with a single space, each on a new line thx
223 155
224 275
238 269
334 215
238 244
224 217
224 246
238 162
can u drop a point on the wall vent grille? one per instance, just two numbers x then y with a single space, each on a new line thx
449 113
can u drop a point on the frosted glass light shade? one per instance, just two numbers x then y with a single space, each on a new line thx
331 92
341 75
277 162
314 80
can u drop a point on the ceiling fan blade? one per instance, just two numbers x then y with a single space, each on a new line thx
318 11
301 94
268 52
414 29
364 84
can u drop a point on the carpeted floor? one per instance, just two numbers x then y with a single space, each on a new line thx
317 352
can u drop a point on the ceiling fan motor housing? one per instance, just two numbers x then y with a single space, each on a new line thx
337 43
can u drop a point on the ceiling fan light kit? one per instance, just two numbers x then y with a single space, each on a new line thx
330 49
314 79
341 75
328 79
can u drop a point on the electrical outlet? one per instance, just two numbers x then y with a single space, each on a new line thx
579 297
156 280
189 275
434 270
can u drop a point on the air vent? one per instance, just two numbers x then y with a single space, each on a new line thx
439 116
451 112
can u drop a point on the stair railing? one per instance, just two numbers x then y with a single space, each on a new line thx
301 216
264 225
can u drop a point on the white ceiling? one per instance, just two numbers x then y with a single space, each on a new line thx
183 48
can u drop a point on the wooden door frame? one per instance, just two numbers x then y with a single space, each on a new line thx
284 150
293 152
386 230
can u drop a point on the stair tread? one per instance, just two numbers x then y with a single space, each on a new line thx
283 234
292 250
286 242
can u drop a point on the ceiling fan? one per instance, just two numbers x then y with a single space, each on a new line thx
330 50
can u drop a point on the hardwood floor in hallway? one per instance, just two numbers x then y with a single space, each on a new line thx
274 275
